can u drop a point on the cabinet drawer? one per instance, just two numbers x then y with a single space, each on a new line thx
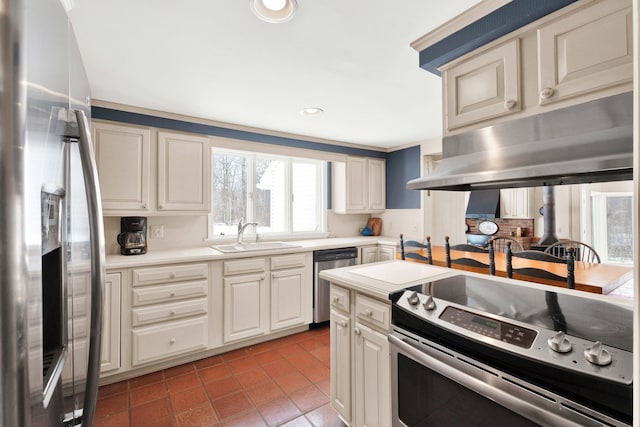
287 261
164 312
249 265
150 276
373 312
168 340
169 293
339 298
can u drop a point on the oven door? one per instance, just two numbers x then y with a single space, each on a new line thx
434 386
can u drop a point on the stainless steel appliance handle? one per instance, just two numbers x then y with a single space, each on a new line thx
90 172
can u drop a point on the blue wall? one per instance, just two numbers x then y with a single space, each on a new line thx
402 165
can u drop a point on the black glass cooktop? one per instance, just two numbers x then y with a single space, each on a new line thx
580 316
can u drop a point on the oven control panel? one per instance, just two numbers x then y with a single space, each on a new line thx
493 328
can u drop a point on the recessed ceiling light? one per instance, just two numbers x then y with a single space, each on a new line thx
312 111
274 11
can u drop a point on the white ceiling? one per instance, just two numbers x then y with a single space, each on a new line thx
214 59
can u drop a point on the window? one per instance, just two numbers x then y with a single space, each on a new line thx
284 195
611 222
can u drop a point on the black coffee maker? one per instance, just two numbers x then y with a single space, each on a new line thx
133 235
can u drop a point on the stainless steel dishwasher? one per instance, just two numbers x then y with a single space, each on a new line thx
326 260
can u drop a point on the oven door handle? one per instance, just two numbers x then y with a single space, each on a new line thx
478 385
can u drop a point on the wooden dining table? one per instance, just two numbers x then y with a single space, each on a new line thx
590 277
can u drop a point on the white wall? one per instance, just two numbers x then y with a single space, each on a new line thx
403 221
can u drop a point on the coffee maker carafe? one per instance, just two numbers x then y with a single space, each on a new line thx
133 235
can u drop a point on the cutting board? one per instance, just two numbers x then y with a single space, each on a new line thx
375 224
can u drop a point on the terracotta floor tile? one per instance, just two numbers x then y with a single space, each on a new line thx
214 373
156 411
279 411
291 351
321 353
232 404
260 348
309 398
148 393
209 361
161 422
264 393
324 416
112 404
252 377
301 421
267 357
198 416
236 354
111 389
311 343
183 400
325 386
144 380
251 418
242 365
119 419
178 370
279 368
183 382
302 360
292 381
316 372
219 388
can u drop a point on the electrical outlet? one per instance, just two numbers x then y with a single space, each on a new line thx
157 231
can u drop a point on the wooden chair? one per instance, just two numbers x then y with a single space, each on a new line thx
470 262
500 244
540 273
414 255
582 251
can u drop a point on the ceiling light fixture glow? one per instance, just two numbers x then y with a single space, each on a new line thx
312 111
274 11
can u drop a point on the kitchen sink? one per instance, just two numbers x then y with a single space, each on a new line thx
260 246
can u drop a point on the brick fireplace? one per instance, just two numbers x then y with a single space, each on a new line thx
508 227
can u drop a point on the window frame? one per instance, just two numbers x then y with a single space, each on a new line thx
598 202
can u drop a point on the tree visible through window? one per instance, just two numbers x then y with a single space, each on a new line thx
612 226
283 195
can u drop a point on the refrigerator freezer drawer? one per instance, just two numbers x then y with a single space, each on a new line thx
169 293
156 275
146 315
168 340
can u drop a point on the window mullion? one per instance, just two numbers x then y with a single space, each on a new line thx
288 208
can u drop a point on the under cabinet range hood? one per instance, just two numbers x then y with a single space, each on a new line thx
589 142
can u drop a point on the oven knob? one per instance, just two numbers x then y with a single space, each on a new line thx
429 304
559 343
597 354
413 298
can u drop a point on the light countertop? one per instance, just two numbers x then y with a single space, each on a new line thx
206 253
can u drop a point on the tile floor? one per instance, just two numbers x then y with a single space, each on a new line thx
284 382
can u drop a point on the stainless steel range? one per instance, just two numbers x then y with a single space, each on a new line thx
471 351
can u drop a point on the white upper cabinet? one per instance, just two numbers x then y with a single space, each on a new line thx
123 156
359 185
484 86
585 51
183 172
516 203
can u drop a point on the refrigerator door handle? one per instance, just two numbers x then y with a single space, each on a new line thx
92 188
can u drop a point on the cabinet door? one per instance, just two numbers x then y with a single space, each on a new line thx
483 87
368 254
183 172
340 344
287 298
123 161
377 185
386 253
356 184
515 203
586 51
372 378
110 358
245 305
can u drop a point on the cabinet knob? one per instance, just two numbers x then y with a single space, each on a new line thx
368 313
172 341
357 331
342 324
144 206
172 294
159 206
510 104
336 299
547 93
172 313
172 275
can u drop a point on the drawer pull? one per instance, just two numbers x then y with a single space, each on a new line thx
172 313
546 93
368 313
172 294
336 299
342 324
357 331
172 341
172 275
510 104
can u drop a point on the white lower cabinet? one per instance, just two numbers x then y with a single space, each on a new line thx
375 253
110 351
386 252
245 298
360 353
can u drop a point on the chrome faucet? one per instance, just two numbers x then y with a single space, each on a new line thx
241 227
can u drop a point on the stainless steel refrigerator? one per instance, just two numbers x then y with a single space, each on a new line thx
52 246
